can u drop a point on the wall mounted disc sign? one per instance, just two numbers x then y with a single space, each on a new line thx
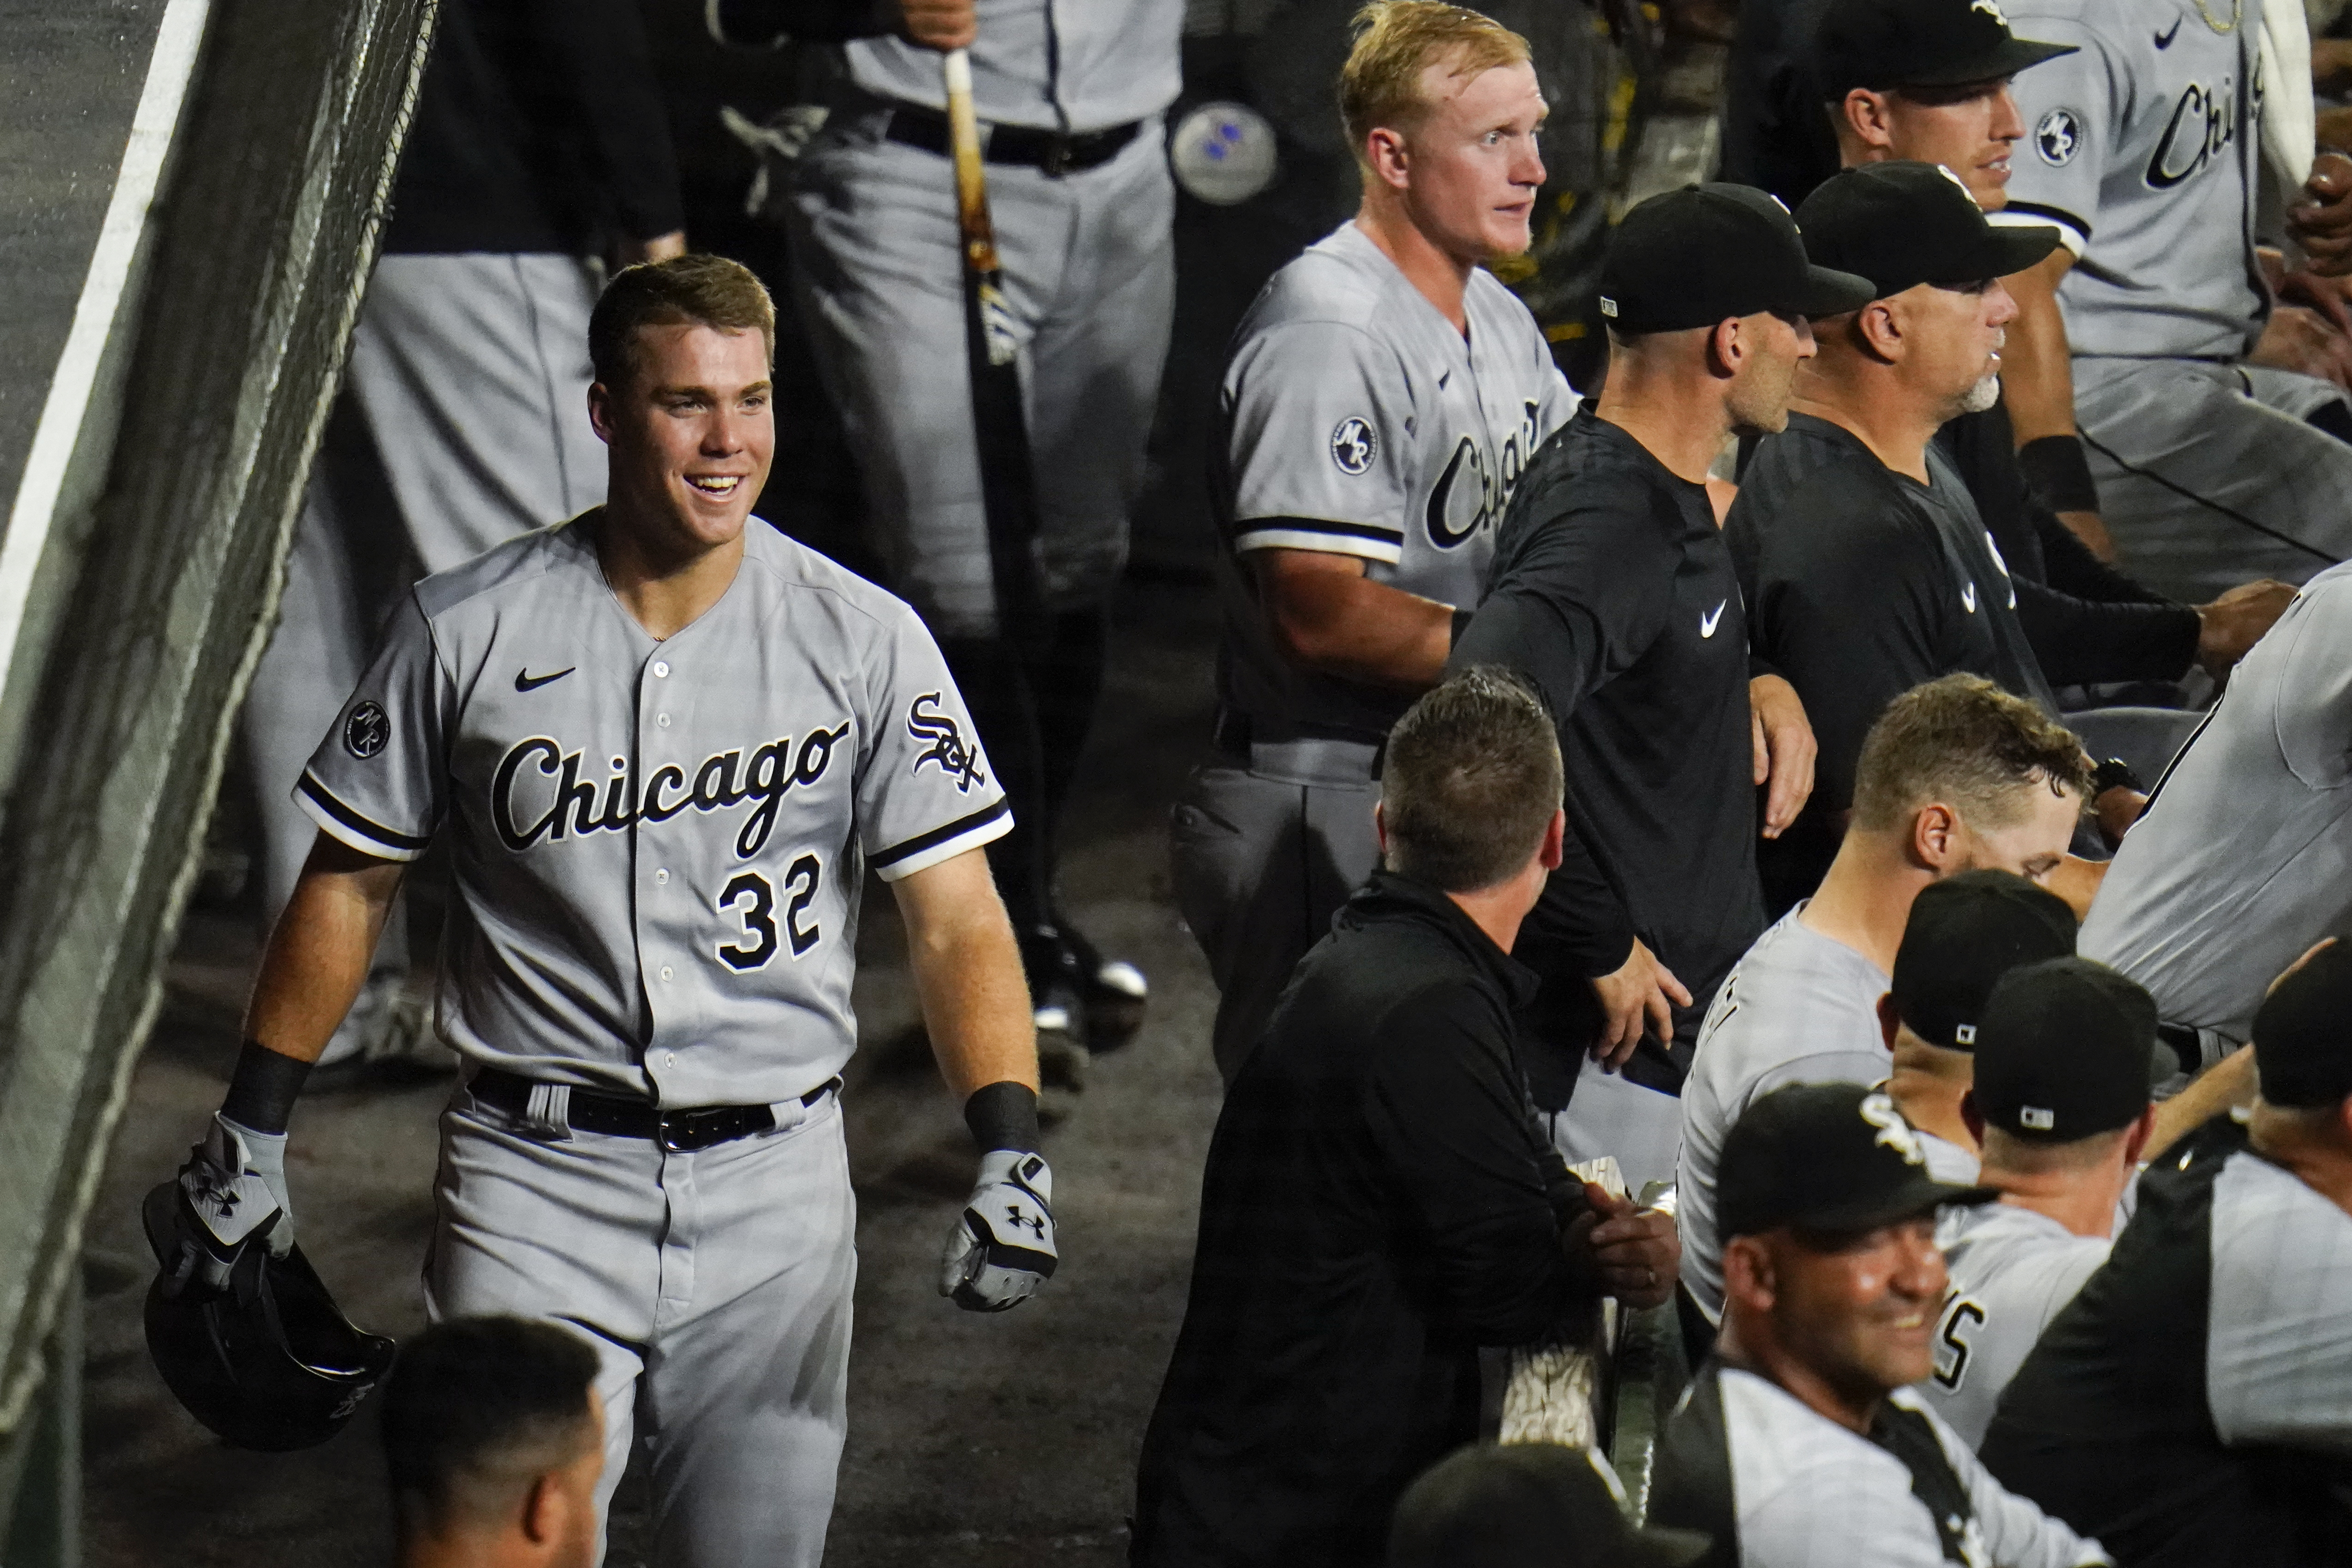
1223 153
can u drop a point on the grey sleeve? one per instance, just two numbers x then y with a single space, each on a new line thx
1321 448
925 789
2312 712
2278 1338
377 780
2073 108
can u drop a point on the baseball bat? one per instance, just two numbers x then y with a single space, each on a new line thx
1008 480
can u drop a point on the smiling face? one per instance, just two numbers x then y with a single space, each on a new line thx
691 432
1859 1312
1467 168
1969 129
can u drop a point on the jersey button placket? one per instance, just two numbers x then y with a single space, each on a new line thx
655 916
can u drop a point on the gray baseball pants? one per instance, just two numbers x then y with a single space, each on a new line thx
464 421
2210 475
1264 855
715 1287
1089 272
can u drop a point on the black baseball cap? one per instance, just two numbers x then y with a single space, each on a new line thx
1901 224
1965 933
1826 1157
2303 1033
1886 43
2063 1052
1704 254
1526 1505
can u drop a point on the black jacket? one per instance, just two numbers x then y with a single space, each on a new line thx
1613 591
1377 1204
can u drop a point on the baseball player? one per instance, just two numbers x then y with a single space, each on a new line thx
1069 98
539 142
663 749
2193 1404
2244 856
1800 1444
2060 1102
2144 148
1379 402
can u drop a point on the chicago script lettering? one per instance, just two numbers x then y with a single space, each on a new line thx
720 782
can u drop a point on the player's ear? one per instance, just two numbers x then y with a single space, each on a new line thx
2135 1137
1726 348
1970 1117
1880 326
600 411
1385 153
1935 836
1889 1020
1747 1274
1380 830
1864 116
1554 842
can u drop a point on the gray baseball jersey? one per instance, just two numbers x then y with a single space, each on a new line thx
2244 856
2012 1269
1357 422
2145 150
656 848
1793 1489
2278 1338
1799 1007
1057 65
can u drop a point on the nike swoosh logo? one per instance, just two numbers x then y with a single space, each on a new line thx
1444 376
1707 623
2164 39
527 682
1969 597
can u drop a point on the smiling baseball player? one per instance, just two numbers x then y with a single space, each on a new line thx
663 749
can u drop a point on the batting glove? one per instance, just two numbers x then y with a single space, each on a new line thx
1002 1247
231 1191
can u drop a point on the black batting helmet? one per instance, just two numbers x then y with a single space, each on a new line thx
269 1362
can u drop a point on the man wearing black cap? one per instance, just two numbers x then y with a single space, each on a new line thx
1801 1442
2060 1105
1379 1202
1957 776
1526 1505
2194 1404
1867 565
1611 588
1929 82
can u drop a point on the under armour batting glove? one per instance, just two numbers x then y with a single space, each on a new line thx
1002 1247
232 1190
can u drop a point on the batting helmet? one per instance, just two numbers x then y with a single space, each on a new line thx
269 1362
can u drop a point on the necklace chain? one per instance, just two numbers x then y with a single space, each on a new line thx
2237 15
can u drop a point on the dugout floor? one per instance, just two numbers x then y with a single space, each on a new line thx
976 1440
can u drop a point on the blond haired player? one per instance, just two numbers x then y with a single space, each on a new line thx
1381 399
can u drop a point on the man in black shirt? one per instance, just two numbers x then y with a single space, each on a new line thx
1866 564
1378 1201
2193 1404
1611 588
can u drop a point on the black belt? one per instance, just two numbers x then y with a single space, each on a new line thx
681 1130
1054 152
1235 730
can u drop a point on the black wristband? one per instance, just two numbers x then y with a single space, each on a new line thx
2059 473
262 1093
1461 625
1003 1116
2115 773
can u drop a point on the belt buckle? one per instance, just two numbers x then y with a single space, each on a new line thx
1058 154
699 1127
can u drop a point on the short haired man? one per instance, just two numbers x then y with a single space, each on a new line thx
1801 1443
1379 1202
1611 587
2193 1405
2244 858
1515 1505
1866 566
1959 783
2060 1106
1929 82
494 1436
1380 402
649 968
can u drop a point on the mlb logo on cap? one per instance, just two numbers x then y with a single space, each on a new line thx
1609 307
2035 1117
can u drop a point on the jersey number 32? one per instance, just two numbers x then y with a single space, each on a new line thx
752 900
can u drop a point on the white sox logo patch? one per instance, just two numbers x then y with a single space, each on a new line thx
1893 1132
720 782
1353 445
367 732
2058 137
947 750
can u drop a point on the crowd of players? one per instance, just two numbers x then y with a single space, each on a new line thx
1868 771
